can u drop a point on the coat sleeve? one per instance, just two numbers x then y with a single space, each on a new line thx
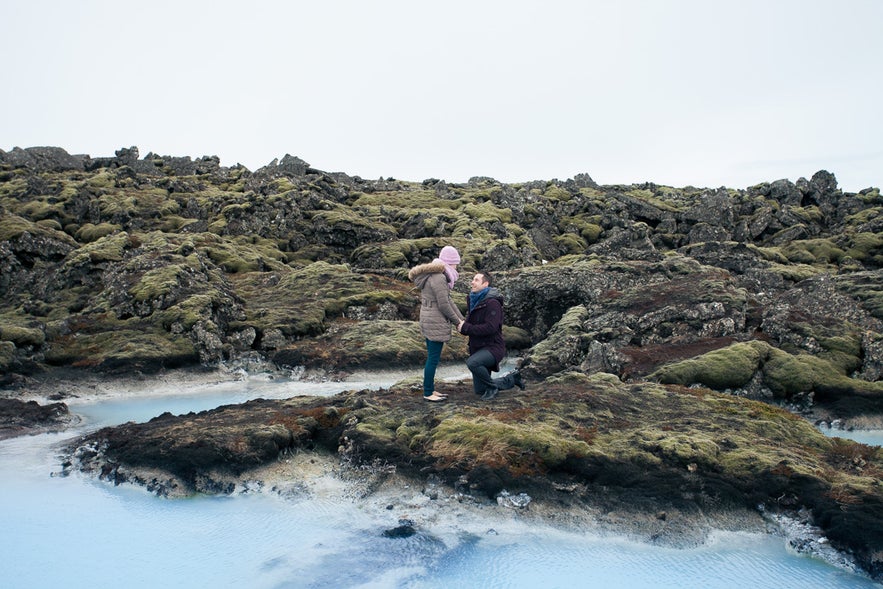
442 294
493 321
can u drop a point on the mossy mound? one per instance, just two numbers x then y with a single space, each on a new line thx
785 375
125 349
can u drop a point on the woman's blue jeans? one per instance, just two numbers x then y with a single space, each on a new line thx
433 355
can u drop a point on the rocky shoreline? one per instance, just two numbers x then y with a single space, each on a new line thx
680 343
382 485
424 499
604 458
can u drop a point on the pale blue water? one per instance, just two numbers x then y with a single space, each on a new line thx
78 532
871 438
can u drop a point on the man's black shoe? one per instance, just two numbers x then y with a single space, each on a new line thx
489 394
516 378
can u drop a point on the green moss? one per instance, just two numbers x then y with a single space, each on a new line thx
396 254
282 185
131 348
770 254
379 431
649 197
871 196
571 243
37 210
174 223
241 254
864 287
863 216
515 337
50 224
89 232
867 247
795 272
13 227
516 231
7 356
413 433
117 204
808 215
578 262
681 448
145 203
368 298
812 251
414 200
189 311
727 368
565 343
101 180
342 216
486 212
22 336
556 193
13 186
843 351
111 248
68 191
157 283
624 447
591 232
295 301
786 374
469 441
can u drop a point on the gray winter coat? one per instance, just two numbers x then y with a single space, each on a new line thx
437 311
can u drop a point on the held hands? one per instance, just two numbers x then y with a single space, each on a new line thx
460 326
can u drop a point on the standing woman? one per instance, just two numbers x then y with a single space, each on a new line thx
437 311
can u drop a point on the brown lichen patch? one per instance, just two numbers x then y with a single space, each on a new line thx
645 359
698 287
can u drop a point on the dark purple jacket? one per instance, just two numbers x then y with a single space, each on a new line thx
484 326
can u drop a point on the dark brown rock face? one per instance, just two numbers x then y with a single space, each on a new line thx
17 417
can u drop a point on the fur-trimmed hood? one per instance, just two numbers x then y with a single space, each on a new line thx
419 274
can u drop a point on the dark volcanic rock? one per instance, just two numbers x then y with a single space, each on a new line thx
162 261
43 159
18 417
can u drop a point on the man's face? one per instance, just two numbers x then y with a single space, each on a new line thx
478 282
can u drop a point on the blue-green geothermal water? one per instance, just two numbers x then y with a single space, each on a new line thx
75 531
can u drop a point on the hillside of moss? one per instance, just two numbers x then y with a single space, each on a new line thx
131 264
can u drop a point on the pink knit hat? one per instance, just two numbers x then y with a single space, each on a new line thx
449 255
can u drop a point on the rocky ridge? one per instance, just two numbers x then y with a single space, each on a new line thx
770 293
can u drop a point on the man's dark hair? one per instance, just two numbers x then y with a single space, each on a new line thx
487 277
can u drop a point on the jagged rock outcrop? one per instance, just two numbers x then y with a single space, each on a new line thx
160 261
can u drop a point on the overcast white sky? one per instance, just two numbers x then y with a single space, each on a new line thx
677 92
